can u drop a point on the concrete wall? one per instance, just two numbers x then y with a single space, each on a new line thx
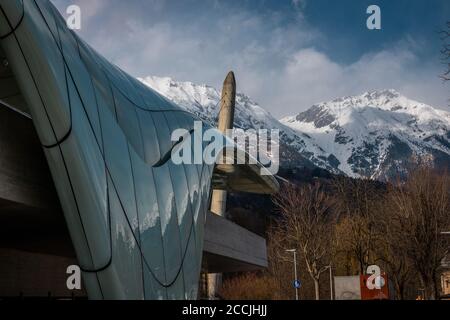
27 274
24 173
229 247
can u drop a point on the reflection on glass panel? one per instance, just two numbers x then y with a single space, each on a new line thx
191 271
168 105
164 134
40 49
148 216
169 221
49 17
149 137
200 219
172 121
139 89
186 120
101 86
129 89
182 201
121 81
181 188
88 179
68 204
118 163
152 99
193 180
176 290
126 271
79 73
194 188
127 119
152 289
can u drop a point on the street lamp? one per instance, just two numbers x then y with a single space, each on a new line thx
294 251
331 281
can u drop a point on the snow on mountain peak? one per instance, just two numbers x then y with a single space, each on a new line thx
199 98
375 131
203 100
373 135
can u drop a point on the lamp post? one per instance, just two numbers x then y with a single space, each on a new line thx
294 251
331 281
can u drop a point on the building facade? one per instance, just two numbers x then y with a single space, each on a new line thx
136 219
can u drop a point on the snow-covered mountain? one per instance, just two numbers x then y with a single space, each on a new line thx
203 100
377 133
372 135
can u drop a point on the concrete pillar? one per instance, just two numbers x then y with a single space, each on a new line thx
219 202
219 197
226 113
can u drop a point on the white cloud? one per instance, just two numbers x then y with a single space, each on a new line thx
275 62
299 3
310 77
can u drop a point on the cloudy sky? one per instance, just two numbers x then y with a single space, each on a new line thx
287 54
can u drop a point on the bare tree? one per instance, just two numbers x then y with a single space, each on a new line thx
307 224
419 212
357 233
394 258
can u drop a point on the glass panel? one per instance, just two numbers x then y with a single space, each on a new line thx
172 122
185 120
176 290
163 133
169 105
152 99
101 84
86 167
118 163
49 17
204 208
123 278
122 82
153 291
182 201
194 188
149 228
188 182
69 207
46 65
127 119
191 271
148 216
149 137
80 75
181 188
169 221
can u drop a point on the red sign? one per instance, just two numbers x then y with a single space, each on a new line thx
373 288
